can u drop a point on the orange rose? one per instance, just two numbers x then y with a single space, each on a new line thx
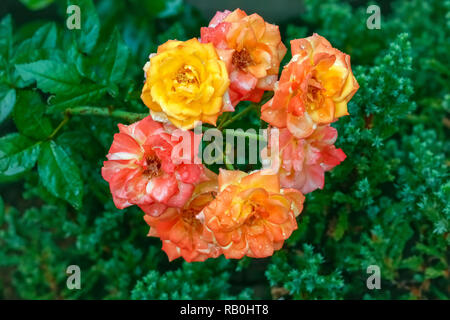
252 50
314 88
181 232
251 216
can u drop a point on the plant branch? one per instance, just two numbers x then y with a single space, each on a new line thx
226 161
237 116
61 124
105 112
253 106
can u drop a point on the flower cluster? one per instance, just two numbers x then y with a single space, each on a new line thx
155 164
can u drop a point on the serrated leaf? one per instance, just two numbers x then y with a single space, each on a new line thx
40 46
59 174
17 155
84 95
7 101
51 76
32 54
29 116
46 36
87 35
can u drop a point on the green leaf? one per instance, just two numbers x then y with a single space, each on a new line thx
412 263
59 174
7 101
41 46
44 38
341 225
115 57
51 76
85 95
36 4
432 273
107 62
88 34
6 39
82 142
29 116
17 155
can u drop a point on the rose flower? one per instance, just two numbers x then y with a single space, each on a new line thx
252 50
142 169
186 82
302 163
314 88
251 215
181 232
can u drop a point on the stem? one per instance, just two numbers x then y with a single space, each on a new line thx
253 106
61 124
223 119
228 165
237 116
104 112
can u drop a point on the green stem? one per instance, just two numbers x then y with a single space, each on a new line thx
223 119
237 116
253 106
105 112
228 165
61 124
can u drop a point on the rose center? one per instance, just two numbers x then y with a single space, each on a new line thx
189 216
152 166
314 94
186 76
254 212
241 59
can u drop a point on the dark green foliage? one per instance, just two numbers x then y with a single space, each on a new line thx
300 273
207 280
387 204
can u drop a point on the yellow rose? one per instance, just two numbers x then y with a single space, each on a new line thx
185 82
